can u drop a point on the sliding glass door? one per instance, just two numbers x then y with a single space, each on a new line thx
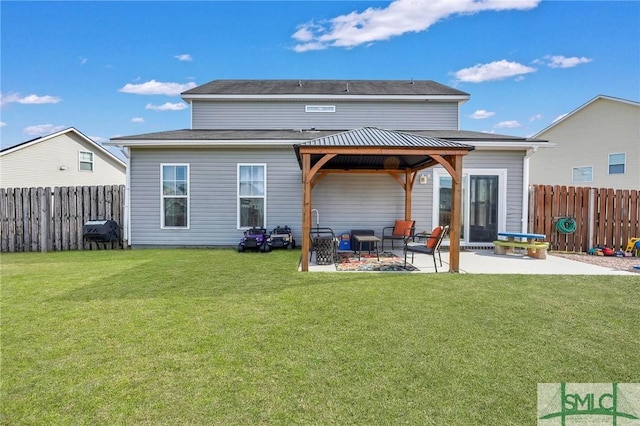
483 211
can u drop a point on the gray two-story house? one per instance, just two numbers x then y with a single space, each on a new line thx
375 151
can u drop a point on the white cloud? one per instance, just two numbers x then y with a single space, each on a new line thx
167 107
157 88
137 120
536 117
511 124
399 17
83 60
7 99
482 114
42 129
498 70
31 99
2 124
35 99
184 57
559 61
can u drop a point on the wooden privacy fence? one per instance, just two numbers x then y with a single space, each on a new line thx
603 216
41 219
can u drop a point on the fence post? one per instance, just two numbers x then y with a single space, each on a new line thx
592 211
44 201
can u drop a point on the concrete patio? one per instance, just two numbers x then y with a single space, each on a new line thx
486 262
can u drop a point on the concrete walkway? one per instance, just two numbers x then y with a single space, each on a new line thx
486 262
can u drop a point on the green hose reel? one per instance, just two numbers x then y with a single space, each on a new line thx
566 225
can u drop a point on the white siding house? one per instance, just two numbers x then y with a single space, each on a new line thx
596 145
236 167
65 158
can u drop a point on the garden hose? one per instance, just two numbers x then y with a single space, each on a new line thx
566 225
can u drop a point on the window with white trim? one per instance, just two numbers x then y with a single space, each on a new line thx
174 195
85 161
617 163
252 195
582 174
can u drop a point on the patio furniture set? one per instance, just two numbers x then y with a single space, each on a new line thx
325 243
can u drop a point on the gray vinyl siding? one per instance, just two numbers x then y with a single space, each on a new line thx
344 201
372 201
213 194
511 161
348 115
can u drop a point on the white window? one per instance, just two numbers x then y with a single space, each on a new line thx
252 195
86 161
175 195
617 163
320 108
582 174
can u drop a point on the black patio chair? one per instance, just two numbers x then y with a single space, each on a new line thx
431 246
398 232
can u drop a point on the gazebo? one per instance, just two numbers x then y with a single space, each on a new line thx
401 155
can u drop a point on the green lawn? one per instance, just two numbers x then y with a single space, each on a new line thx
218 337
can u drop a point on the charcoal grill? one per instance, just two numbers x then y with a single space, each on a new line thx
101 231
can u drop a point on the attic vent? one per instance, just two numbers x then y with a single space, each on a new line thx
320 108
299 83
347 89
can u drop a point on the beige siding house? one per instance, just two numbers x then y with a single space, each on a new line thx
65 158
597 145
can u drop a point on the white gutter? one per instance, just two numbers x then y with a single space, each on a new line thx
207 143
126 229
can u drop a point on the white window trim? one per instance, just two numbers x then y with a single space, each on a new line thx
502 193
624 163
264 197
320 108
582 167
188 196
80 161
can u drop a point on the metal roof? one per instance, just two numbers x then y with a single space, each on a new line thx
325 87
372 136
368 137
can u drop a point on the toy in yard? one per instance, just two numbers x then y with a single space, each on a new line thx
280 237
254 239
602 251
633 245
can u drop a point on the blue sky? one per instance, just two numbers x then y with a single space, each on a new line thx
117 68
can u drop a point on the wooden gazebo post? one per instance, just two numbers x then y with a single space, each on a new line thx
306 210
456 212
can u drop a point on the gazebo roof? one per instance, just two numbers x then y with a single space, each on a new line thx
371 148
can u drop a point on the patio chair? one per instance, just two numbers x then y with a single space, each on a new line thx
431 245
400 231
325 244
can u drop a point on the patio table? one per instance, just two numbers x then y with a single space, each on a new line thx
367 239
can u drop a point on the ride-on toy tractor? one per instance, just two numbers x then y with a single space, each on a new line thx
281 237
254 239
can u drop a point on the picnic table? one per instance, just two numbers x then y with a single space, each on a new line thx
534 243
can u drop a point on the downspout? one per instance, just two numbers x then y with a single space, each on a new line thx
126 229
525 189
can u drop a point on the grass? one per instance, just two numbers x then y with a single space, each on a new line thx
216 337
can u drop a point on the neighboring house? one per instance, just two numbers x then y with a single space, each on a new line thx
597 145
239 164
65 158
